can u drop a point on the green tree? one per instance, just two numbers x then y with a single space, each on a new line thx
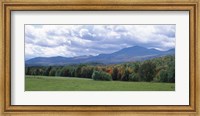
37 72
100 75
58 72
27 71
52 72
147 71
78 71
133 77
65 71
47 70
163 76
125 75
115 73
136 68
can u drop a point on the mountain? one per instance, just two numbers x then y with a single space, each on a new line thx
135 53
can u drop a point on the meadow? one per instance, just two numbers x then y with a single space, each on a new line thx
53 83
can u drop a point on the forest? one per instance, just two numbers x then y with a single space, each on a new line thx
160 69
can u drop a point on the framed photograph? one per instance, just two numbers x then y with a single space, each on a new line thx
100 57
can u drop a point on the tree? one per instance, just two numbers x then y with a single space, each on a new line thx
47 70
171 71
37 72
86 72
52 72
78 71
163 76
27 71
115 73
136 68
100 75
65 71
167 75
147 71
133 77
171 75
125 75
58 72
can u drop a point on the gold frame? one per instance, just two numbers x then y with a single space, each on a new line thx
155 5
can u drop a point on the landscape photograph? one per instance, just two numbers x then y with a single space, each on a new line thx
100 57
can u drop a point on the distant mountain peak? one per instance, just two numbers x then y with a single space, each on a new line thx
173 49
58 57
138 47
129 54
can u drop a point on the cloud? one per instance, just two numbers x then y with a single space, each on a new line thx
76 40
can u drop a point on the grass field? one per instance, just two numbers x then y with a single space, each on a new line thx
42 83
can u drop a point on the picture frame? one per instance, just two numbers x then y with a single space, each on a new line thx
47 5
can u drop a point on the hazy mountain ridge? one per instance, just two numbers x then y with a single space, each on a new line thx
135 53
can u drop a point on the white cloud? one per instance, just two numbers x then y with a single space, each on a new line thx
75 40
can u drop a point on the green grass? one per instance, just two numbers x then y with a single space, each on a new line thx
44 83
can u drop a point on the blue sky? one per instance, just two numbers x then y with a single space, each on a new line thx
78 40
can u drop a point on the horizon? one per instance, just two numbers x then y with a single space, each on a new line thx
92 40
97 54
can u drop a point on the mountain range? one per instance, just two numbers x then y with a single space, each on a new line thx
130 54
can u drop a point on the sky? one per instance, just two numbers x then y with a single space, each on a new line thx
79 40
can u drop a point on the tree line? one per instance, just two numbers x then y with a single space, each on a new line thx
160 69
